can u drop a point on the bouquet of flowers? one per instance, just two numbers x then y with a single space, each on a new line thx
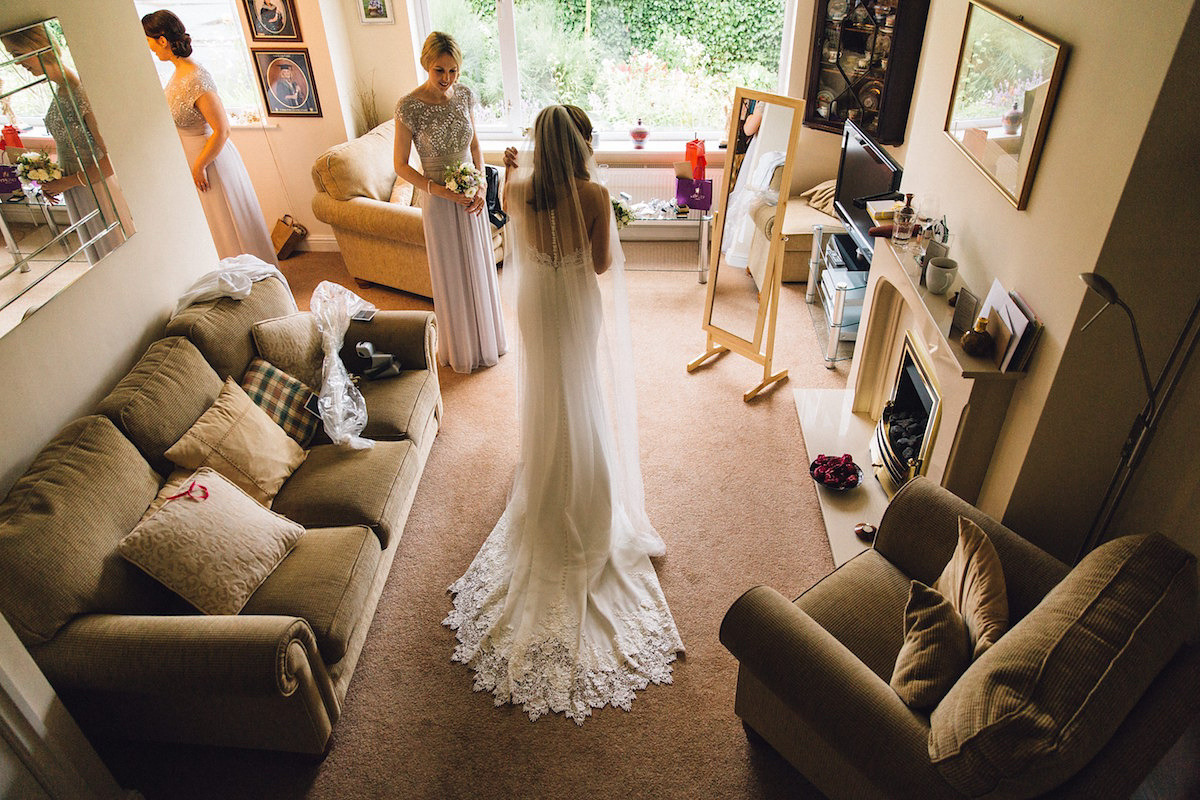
36 168
464 179
622 212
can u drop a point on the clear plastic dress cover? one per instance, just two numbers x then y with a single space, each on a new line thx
233 277
343 409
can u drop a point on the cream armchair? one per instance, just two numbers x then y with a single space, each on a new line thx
376 216
1080 698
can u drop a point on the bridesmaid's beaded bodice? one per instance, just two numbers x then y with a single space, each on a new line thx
182 93
70 133
441 132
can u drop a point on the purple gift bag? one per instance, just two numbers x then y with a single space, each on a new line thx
693 193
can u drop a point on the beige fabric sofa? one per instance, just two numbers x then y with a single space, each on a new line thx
131 659
1080 698
376 216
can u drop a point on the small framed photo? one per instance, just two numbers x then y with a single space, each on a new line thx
371 11
285 77
272 20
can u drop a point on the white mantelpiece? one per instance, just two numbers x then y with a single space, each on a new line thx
974 395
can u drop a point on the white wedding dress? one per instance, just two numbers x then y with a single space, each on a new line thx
561 609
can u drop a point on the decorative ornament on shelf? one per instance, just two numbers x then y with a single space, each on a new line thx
978 342
639 133
1012 120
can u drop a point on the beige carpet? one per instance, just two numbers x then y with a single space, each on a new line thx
727 487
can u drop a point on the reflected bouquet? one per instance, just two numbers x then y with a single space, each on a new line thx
36 168
465 179
621 211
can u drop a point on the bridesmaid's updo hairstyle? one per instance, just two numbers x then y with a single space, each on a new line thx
438 44
165 24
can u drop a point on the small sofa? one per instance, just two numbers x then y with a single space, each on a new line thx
1092 683
375 215
130 658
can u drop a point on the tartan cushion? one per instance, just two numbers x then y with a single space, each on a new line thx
282 397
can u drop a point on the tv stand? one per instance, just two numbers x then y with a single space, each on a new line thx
838 278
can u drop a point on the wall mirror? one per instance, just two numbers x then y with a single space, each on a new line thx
742 300
54 228
1004 89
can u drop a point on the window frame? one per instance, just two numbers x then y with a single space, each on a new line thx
511 125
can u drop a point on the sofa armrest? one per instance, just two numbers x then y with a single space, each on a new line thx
919 531
820 680
410 336
369 216
169 655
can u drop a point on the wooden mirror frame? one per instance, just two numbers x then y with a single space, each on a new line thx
760 349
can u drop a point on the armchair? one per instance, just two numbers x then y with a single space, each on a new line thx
1065 704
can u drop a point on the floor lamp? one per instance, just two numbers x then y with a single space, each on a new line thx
1158 395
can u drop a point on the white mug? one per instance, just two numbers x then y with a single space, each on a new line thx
939 274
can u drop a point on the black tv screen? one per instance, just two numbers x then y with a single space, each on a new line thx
864 170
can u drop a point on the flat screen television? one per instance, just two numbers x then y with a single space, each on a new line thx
864 171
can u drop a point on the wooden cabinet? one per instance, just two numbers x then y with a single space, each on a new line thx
863 65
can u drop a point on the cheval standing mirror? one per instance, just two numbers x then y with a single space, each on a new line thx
742 301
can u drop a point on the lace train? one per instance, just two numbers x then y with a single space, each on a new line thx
550 663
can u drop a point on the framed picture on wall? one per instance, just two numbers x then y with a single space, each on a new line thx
370 11
285 77
273 20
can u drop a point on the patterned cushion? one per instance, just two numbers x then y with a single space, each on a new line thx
293 344
283 398
213 545
973 581
1038 705
936 648
238 440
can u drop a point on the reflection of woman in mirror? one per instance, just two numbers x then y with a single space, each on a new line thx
735 243
79 149
561 609
226 194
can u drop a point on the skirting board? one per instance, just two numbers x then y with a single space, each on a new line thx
318 244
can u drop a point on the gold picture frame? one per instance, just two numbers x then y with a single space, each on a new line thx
1007 79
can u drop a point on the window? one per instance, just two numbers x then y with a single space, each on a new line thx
218 44
672 63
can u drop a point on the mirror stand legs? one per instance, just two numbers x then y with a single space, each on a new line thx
713 349
768 379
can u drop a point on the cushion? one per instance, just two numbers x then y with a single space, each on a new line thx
361 167
283 398
935 652
402 192
338 486
821 196
293 344
1037 706
973 581
213 545
167 390
59 529
326 580
220 328
237 439
401 407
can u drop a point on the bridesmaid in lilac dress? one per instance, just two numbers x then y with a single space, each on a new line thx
227 196
437 117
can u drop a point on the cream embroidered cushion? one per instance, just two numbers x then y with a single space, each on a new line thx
973 581
293 344
237 439
936 649
212 544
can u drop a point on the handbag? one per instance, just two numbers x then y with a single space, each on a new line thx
286 235
496 214
693 193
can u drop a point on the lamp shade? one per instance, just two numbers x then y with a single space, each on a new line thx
1100 286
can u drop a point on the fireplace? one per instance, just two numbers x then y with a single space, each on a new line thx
908 423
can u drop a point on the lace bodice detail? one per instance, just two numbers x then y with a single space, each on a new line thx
70 134
182 93
441 132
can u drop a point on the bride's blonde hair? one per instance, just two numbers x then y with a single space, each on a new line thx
560 154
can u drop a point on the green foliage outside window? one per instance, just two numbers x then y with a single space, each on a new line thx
672 63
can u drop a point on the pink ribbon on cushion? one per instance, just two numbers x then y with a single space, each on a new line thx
192 492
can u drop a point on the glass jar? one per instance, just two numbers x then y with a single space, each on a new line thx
903 221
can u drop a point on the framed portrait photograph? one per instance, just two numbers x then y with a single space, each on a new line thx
285 77
272 20
370 11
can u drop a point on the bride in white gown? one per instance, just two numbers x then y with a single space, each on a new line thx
561 609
